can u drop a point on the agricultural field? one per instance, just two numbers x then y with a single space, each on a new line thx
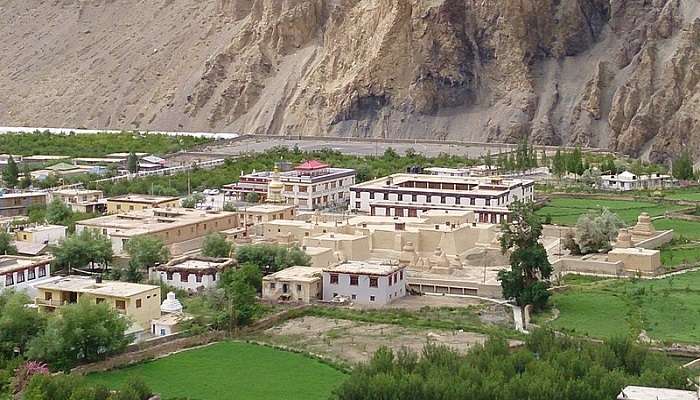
232 370
681 229
668 309
566 211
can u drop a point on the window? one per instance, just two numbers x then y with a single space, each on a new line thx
162 332
401 274
99 300
199 278
119 206
373 282
169 276
139 303
184 276
357 204
120 304
334 279
354 297
9 279
354 280
42 271
48 296
272 286
131 208
371 298
371 195
298 288
31 274
20 276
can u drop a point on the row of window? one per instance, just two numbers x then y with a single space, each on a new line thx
373 280
31 275
441 199
185 277
373 298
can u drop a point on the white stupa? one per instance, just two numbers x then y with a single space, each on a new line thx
171 305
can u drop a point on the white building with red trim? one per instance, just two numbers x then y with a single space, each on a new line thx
411 195
366 283
309 186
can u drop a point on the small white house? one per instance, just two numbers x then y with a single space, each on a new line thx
41 234
627 181
364 283
193 273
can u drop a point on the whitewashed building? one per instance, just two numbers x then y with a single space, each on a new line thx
23 273
366 283
411 195
193 273
627 181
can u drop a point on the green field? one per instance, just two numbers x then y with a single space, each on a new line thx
675 256
667 309
687 195
688 229
566 211
232 370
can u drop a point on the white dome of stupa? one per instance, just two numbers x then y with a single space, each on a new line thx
171 304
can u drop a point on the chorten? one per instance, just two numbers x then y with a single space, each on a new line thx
624 239
171 305
275 189
644 227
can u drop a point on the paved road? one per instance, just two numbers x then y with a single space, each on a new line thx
67 131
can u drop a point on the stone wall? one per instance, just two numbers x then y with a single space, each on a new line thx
565 265
655 242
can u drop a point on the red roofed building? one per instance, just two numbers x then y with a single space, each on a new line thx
311 185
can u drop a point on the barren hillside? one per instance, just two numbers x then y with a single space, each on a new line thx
617 73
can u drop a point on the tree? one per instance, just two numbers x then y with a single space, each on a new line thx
273 256
83 332
488 161
559 164
36 214
250 273
528 259
132 163
230 207
240 295
19 324
595 231
683 167
59 213
6 246
216 245
146 252
574 162
609 166
252 197
81 249
192 200
10 175
26 181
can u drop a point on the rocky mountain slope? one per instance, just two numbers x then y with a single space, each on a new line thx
622 74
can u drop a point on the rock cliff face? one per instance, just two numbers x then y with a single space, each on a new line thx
605 73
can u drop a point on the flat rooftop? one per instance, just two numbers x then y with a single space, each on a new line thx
314 251
16 263
267 208
647 393
338 236
41 228
298 274
88 285
363 268
144 199
634 251
23 194
75 192
153 220
198 264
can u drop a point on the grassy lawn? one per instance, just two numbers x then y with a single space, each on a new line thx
675 256
687 195
667 309
688 229
233 370
566 211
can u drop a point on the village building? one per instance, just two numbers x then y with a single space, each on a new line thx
365 283
82 200
651 393
41 234
139 302
410 195
193 273
309 186
477 170
14 204
298 284
138 202
255 216
627 181
23 273
171 319
181 229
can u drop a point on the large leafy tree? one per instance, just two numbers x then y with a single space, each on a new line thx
595 231
528 258
145 252
683 167
132 163
239 306
6 246
87 247
216 245
18 323
83 332
10 175
271 258
59 213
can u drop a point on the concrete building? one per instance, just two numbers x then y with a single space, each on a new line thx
181 229
138 202
366 283
650 393
82 200
137 301
256 216
301 284
310 186
410 195
627 181
477 170
13 204
41 234
23 273
193 273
